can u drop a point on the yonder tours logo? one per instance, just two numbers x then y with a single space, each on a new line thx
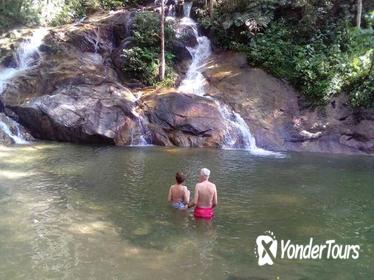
267 247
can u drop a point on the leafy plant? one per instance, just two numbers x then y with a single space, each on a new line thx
313 44
142 60
334 59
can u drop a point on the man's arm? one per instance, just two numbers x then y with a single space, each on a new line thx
215 198
195 198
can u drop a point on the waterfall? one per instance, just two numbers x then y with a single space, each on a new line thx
140 133
16 137
238 135
95 41
187 6
194 81
26 56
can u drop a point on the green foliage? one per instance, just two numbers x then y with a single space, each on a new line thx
141 63
370 19
311 43
111 4
14 12
142 60
75 9
361 90
71 10
332 60
237 20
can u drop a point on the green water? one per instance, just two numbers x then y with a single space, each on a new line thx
76 212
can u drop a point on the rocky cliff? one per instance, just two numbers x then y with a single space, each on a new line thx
76 93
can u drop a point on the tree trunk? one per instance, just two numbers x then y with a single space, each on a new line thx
162 36
211 8
359 13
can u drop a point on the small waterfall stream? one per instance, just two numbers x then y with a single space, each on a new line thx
194 81
238 135
26 56
140 134
187 6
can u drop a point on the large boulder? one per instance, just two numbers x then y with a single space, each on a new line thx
74 92
184 120
82 114
63 62
186 35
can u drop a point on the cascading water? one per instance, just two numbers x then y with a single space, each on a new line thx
16 136
95 41
238 135
25 56
194 81
187 6
169 7
140 133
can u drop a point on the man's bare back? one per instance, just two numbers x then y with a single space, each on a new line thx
205 195
205 198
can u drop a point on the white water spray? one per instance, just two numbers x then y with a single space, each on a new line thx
140 133
95 41
187 6
239 135
16 137
26 56
194 82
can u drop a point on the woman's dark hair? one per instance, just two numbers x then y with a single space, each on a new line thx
180 177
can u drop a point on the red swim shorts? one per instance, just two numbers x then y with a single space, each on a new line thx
206 213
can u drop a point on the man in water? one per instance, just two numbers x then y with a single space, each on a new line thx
179 195
205 198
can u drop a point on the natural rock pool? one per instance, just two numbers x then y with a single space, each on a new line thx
94 212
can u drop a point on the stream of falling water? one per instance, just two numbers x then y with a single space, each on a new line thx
238 135
26 56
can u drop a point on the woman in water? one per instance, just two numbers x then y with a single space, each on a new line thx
179 195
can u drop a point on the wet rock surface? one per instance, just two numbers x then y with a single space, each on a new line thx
271 109
184 120
80 114
76 93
